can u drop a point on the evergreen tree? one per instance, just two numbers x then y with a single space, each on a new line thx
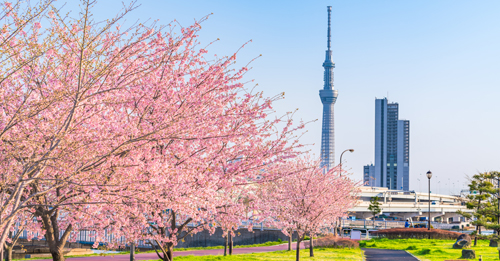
374 207
483 201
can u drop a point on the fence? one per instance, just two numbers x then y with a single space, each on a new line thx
385 224
86 237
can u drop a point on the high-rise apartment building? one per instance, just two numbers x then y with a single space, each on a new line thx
369 176
392 147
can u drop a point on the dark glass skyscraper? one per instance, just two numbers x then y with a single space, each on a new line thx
328 97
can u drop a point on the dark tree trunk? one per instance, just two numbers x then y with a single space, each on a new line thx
225 244
8 253
170 252
57 255
50 224
297 256
230 244
132 252
311 247
290 234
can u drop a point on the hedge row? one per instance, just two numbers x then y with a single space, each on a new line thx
394 233
332 241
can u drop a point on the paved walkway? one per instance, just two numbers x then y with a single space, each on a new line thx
373 254
153 256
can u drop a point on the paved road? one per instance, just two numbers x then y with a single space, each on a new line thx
373 254
153 256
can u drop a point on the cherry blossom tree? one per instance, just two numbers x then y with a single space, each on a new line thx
309 200
218 194
128 131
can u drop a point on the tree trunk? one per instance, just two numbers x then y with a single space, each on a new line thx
8 253
290 240
132 252
55 242
170 252
311 247
297 256
335 229
230 244
225 244
57 255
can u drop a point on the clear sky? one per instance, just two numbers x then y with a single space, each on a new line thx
440 60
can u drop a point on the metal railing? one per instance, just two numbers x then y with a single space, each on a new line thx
386 224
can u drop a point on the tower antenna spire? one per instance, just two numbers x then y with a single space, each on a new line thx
329 8
328 97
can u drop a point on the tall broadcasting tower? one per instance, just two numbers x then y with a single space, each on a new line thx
328 97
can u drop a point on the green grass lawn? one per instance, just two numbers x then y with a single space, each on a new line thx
432 249
269 243
319 254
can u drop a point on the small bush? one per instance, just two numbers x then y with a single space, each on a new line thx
343 242
424 251
331 241
279 240
412 247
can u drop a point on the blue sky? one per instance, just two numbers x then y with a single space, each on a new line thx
438 59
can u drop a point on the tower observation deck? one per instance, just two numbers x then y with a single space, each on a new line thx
328 97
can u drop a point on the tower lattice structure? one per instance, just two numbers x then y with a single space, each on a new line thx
328 97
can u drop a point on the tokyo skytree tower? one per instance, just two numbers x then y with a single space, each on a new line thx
328 97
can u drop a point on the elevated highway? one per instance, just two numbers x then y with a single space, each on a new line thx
409 204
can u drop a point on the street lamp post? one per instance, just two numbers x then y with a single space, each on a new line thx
340 174
429 176
498 202
340 164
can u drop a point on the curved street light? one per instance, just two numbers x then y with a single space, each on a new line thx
429 176
340 164
340 173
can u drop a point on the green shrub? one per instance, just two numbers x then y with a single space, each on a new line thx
424 251
412 247
423 233
279 240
